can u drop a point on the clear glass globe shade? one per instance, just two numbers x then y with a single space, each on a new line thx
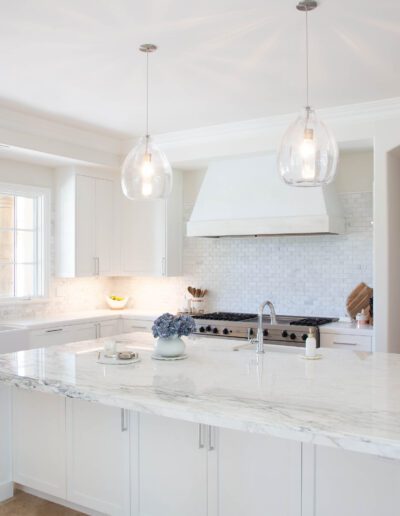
146 172
308 154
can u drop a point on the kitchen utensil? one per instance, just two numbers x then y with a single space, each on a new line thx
358 299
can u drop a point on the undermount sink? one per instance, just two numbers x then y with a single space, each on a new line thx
270 346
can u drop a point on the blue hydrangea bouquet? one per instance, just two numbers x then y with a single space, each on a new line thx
168 330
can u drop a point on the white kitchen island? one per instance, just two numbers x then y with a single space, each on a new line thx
223 433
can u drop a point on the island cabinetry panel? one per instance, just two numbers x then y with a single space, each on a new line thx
85 225
169 467
152 234
338 482
98 457
39 452
256 474
108 328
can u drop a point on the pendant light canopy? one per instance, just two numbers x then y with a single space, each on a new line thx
146 172
308 153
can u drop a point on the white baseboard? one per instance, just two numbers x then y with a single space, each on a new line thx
59 501
6 491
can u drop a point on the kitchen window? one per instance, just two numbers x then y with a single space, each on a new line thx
24 241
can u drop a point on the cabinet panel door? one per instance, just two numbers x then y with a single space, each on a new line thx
350 484
104 216
171 469
258 475
39 441
62 335
80 332
85 226
143 237
136 325
97 458
109 328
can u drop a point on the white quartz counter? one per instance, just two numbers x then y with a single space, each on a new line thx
80 317
347 400
347 328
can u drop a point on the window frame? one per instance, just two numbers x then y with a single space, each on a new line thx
43 196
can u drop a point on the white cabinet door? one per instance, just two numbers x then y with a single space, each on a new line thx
78 332
143 236
256 475
169 468
39 441
152 234
98 457
109 328
85 226
350 484
104 216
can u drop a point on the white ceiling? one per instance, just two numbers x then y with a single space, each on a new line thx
219 60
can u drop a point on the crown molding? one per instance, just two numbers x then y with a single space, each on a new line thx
366 111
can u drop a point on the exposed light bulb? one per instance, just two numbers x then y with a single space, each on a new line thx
147 189
147 167
307 152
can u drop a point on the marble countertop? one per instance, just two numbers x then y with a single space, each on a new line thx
347 328
78 317
349 400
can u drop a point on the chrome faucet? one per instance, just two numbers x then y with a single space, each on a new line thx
259 340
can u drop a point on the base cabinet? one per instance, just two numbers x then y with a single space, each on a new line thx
38 437
169 467
257 475
338 482
98 457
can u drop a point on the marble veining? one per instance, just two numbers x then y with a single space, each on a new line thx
349 400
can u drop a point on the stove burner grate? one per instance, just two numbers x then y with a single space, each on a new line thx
225 316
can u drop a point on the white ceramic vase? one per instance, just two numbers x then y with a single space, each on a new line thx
169 347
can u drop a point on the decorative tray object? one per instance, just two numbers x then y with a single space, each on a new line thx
118 358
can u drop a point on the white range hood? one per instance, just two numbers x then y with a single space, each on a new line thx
245 196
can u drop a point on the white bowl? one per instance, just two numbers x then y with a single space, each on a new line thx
117 305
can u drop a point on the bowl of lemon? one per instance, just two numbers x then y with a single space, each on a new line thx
117 302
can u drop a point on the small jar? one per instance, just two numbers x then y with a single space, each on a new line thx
198 305
361 319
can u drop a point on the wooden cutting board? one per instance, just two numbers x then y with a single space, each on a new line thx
358 299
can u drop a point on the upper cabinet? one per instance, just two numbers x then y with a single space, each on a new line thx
85 220
99 232
152 234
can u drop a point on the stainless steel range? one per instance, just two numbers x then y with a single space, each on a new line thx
289 330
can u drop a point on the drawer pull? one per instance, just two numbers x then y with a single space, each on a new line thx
345 343
124 423
201 436
53 331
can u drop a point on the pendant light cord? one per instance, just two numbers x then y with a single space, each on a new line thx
147 94
307 63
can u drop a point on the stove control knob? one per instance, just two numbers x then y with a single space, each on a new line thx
225 331
201 329
208 328
265 333
251 332
304 336
293 336
215 330
284 333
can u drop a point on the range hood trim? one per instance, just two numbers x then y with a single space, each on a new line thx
319 225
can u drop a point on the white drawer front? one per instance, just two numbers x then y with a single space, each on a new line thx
350 342
133 325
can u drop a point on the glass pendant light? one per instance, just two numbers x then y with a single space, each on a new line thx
146 172
308 153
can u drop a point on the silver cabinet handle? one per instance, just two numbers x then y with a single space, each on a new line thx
201 436
345 343
163 266
124 421
96 265
53 331
211 438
